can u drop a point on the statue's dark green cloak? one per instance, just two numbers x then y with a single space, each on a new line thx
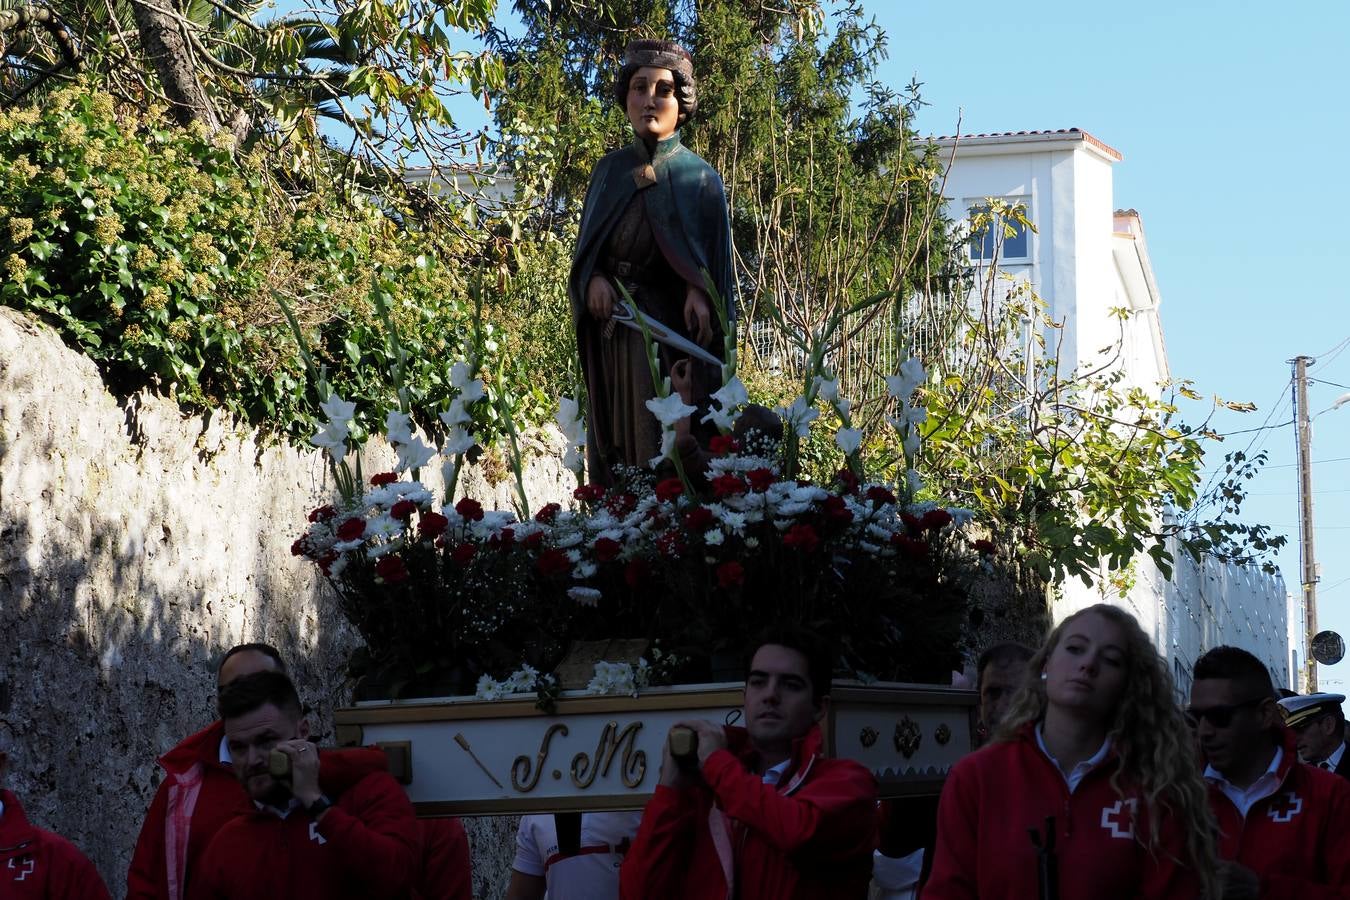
687 209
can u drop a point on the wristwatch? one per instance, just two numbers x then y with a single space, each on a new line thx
315 809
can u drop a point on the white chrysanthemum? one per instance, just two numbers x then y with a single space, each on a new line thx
713 537
489 688
584 595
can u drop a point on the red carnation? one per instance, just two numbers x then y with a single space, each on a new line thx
636 572
698 518
847 480
730 574
470 509
722 444
298 548
909 545
986 547
836 510
728 486
403 510
505 539
532 541
669 489
802 537
390 569
911 521
589 493
384 478
620 504
553 562
322 513
606 549
880 495
463 554
546 515
432 524
760 479
351 530
936 519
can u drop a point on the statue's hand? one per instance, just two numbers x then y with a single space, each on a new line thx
600 298
698 315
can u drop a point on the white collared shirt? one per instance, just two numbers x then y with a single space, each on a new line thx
225 758
1259 789
1074 777
1333 761
774 774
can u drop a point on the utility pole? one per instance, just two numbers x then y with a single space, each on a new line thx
1303 436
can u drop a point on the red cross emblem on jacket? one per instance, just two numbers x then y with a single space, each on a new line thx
1285 807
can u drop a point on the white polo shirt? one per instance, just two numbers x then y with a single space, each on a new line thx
1260 789
592 874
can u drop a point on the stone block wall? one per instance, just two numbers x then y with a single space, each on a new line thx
136 545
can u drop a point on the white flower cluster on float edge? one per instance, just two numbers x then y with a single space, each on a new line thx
573 427
610 678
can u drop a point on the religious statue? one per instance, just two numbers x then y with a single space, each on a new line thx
655 220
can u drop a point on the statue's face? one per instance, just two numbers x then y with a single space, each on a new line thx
652 108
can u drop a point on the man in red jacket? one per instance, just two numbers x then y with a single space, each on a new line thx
198 795
306 837
37 864
1284 826
764 816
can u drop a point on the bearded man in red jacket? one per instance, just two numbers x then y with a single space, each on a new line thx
764 816
1284 827
198 795
347 831
37 864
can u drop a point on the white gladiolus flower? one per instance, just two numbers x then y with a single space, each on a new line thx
337 409
732 394
667 446
849 440
573 457
469 390
827 389
911 375
413 454
913 481
915 415
456 415
333 438
398 427
669 410
911 443
799 416
458 441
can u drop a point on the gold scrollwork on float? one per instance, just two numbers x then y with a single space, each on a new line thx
632 765
524 773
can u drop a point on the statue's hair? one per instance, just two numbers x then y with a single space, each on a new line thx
1154 746
686 88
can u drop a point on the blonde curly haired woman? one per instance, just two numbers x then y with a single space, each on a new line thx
1091 789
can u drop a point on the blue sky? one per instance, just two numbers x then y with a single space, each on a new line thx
1234 124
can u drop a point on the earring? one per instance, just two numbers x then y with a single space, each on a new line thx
1045 676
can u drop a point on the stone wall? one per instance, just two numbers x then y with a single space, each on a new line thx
136 545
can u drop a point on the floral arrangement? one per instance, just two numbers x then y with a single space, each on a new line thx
454 597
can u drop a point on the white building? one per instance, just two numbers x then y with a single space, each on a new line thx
1085 259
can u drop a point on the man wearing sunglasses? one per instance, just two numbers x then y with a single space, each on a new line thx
1284 827
1319 726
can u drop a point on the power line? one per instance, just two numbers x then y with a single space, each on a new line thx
1336 349
1329 383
